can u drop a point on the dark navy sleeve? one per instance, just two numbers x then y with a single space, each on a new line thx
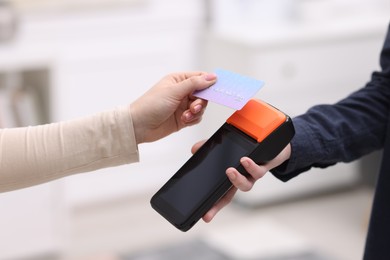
345 131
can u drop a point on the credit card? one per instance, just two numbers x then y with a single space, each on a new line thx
231 89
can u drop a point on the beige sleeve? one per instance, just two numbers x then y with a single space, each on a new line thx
33 155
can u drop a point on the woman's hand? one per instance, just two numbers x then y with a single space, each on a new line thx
169 106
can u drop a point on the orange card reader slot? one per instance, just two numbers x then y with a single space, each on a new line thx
257 119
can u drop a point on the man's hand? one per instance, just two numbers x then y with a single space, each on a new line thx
239 181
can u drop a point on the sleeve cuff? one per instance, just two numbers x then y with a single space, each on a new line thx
302 152
129 145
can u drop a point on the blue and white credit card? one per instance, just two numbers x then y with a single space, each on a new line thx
231 89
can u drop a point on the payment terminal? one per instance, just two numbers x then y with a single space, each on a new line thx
258 130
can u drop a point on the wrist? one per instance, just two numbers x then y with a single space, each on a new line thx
137 124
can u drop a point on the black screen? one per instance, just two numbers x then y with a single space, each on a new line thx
205 170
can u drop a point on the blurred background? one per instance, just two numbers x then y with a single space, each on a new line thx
64 59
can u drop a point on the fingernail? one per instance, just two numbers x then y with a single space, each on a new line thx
231 175
210 76
244 163
197 108
188 116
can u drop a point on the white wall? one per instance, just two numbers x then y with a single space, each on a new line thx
97 59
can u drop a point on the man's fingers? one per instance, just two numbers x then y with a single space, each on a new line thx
196 146
238 180
225 200
255 171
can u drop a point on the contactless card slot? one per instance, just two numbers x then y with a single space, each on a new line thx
257 119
